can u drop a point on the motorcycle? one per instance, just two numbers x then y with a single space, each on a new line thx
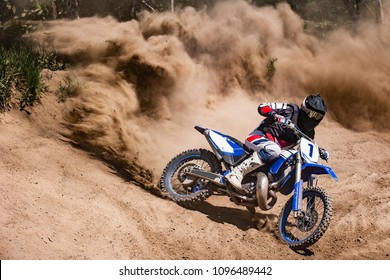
194 175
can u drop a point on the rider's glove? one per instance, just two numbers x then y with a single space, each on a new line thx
324 154
284 121
279 118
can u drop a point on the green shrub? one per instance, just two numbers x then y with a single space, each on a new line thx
6 79
271 68
70 88
27 71
20 67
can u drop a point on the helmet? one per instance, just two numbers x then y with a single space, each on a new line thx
314 107
311 113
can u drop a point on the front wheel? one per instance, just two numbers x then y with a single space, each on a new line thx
183 189
306 229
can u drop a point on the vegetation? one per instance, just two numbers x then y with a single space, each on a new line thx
5 79
70 87
271 68
20 72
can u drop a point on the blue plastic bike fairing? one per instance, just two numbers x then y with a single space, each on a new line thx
275 168
226 147
236 149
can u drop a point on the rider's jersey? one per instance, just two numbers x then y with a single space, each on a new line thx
276 132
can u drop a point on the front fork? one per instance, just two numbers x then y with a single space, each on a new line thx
298 188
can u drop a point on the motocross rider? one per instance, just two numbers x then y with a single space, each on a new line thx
272 135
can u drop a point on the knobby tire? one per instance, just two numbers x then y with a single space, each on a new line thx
201 189
317 230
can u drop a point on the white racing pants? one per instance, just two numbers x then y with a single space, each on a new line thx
267 149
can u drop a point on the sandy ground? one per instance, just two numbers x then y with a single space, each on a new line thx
58 202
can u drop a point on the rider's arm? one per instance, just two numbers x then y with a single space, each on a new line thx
269 109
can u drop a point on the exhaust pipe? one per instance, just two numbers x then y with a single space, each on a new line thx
263 194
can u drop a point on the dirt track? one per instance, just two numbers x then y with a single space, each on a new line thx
143 86
60 203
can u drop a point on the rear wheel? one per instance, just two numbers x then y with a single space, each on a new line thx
182 188
308 228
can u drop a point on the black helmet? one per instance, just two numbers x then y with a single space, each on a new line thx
314 107
311 113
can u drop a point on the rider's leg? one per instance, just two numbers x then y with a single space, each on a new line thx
237 174
265 150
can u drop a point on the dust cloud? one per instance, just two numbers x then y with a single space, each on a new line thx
146 83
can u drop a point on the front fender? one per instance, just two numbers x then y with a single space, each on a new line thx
313 168
307 169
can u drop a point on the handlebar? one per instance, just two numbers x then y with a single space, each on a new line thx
288 123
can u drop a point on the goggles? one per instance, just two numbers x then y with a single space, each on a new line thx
312 114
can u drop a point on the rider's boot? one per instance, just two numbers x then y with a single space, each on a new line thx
237 174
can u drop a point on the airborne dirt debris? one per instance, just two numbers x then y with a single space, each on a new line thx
78 180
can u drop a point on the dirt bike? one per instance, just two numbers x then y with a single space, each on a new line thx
194 175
